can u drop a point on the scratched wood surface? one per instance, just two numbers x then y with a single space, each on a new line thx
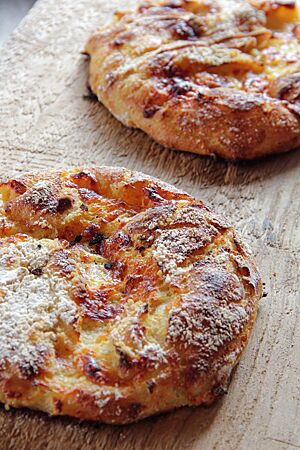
47 121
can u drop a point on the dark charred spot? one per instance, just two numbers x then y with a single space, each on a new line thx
108 265
199 96
86 176
76 240
118 42
245 271
97 239
150 110
91 231
153 194
124 360
122 38
145 308
134 410
39 246
58 405
84 207
80 294
28 371
38 271
218 391
63 204
92 369
180 86
147 239
17 186
163 67
151 386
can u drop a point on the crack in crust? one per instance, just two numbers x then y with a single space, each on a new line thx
129 299
211 77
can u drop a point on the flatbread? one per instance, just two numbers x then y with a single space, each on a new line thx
213 77
120 296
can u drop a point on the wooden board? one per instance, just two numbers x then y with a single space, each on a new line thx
11 13
47 121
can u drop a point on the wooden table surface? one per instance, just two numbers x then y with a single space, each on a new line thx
11 13
48 121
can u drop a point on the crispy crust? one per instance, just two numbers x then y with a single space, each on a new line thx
120 296
203 76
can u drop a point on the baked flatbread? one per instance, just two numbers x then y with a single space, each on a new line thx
120 296
215 77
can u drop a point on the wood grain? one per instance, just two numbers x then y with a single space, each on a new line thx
48 121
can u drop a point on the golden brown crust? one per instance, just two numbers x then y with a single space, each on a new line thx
120 296
203 76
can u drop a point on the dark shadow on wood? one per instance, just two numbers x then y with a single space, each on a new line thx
174 430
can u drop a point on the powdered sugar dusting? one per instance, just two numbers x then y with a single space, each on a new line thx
154 354
205 325
174 246
30 309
